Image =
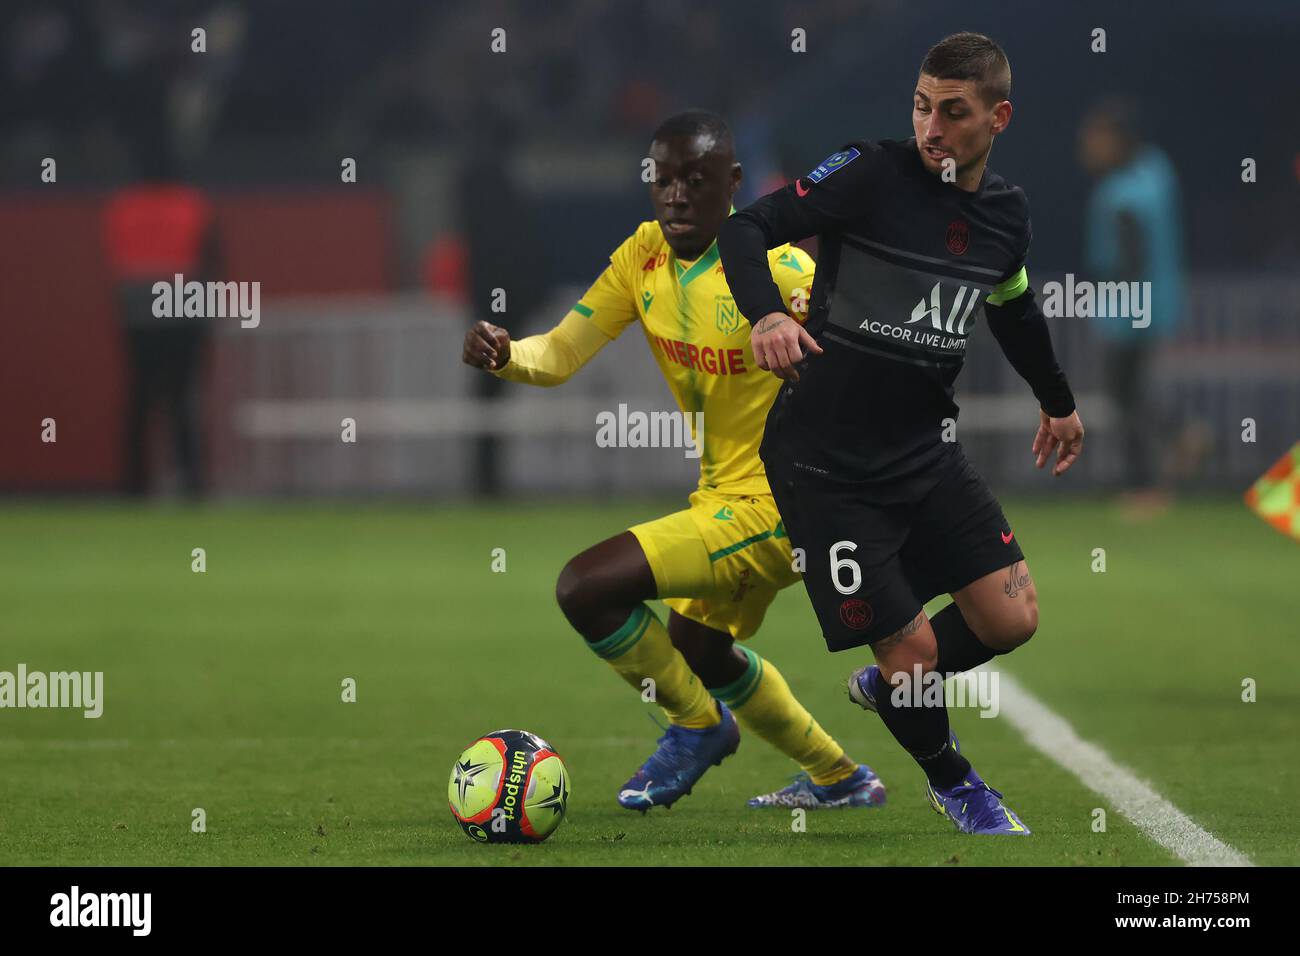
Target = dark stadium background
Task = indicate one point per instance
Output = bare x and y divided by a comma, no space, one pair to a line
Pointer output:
367,287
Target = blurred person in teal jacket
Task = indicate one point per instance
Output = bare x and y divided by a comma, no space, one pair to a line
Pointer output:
1134,234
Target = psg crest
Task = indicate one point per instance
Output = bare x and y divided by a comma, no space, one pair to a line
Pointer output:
856,613
958,237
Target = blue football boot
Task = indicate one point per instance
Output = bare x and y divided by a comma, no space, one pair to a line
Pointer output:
862,789
864,684
678,762
975,807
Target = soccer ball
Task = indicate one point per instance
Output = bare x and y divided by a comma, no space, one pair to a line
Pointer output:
509,786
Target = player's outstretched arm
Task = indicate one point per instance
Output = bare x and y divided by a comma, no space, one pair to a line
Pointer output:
1021,330
1063,435
487,346
779,343
548,359
809,206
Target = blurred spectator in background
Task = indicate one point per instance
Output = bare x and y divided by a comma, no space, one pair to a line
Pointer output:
504,250
154,230
1133,234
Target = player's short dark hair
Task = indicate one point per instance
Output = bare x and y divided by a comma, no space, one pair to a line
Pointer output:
694,122
971,56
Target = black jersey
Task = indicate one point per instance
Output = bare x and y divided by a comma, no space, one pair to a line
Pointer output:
905,264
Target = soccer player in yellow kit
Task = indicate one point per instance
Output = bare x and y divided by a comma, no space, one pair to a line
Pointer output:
719,563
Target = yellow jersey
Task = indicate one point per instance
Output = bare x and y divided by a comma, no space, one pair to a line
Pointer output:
697,335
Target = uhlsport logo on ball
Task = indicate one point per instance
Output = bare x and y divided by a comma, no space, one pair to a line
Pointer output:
509,786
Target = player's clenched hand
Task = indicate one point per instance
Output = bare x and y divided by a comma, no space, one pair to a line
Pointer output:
778,342
486,346
1053,433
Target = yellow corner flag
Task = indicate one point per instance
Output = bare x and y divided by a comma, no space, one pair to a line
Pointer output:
1276,496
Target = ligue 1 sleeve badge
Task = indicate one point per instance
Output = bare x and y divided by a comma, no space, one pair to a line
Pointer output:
833,162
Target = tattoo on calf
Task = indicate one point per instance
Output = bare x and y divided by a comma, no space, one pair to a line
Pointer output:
1017,580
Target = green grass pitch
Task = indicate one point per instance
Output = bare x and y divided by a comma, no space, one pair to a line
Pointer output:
223,691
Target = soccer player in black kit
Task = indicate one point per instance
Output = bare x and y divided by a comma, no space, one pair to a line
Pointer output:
914,237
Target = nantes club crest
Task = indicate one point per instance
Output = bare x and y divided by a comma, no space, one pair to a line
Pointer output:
728,317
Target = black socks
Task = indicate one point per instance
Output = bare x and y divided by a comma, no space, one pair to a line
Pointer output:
959,648
923,731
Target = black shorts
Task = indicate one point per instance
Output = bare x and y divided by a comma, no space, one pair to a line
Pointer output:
907,551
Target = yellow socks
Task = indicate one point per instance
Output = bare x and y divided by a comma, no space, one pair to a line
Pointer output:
641,648
762,701
760,698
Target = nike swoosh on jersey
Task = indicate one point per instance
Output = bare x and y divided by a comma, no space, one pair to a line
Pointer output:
1006,538
799,188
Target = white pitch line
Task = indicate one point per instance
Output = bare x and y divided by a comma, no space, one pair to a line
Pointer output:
1050,734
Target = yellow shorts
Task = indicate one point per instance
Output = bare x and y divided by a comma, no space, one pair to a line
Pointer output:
721,561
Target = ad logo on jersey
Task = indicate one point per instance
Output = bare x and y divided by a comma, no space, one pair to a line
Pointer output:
946,334
958,237
728,318
933,310
831,163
